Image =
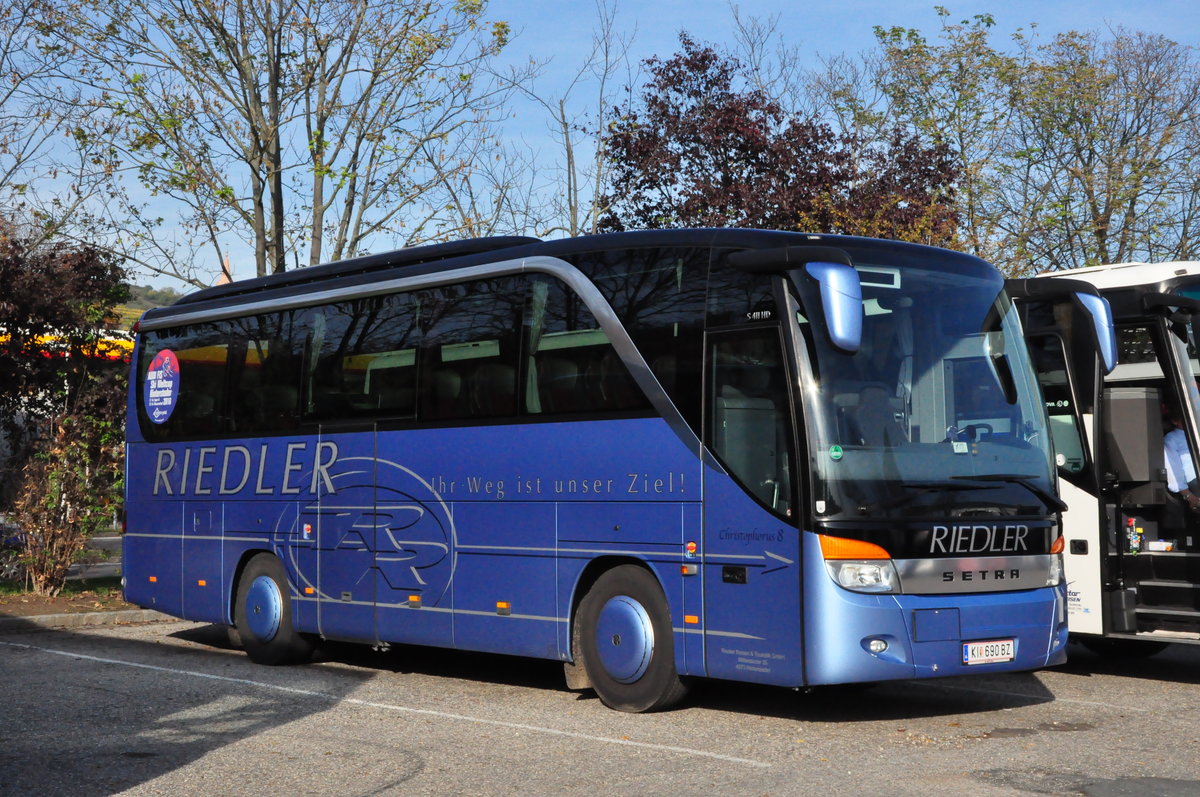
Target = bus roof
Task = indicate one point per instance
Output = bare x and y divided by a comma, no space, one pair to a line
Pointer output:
1129,275
358,265
421,260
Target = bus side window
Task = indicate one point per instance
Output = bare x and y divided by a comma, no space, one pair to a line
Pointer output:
469,349
362,358
572,364
271,377
658,294
202,351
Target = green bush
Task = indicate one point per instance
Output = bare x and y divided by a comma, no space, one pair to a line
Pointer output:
72,486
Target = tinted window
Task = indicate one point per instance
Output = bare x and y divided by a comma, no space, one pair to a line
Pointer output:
738,297
572,363
508,347
750,421
658,295
470,349
200,408
363,358
1136,345
266,371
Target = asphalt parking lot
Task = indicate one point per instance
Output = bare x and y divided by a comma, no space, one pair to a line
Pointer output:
170,708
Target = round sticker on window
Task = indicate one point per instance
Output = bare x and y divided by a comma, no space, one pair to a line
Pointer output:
162,386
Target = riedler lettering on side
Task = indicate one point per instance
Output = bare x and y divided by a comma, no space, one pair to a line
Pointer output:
227,470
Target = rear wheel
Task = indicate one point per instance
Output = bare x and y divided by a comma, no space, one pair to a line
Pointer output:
627,643
263,614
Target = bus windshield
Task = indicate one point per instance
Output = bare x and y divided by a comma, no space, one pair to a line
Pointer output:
1186,341
938,411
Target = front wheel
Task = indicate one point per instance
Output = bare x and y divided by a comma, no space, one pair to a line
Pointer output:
627,643
263,614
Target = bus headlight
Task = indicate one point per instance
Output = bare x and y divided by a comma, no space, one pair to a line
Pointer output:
1054,577
864,576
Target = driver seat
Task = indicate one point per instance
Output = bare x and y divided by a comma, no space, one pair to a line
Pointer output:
875,419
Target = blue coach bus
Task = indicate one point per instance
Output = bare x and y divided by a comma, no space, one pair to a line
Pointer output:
760,456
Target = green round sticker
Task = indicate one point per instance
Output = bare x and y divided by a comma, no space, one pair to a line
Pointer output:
835,453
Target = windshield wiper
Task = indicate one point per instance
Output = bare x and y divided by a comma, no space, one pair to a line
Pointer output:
1048,498
913,489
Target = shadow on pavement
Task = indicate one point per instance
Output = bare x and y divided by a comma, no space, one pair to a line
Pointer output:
89,715
1177,664
852,703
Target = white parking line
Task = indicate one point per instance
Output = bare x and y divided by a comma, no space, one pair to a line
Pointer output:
687,751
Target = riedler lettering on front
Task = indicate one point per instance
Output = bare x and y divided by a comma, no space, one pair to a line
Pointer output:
977,538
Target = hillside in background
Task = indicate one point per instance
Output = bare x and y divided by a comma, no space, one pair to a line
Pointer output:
141,299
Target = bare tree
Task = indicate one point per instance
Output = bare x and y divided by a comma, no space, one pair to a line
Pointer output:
294,126
489,187
25,126
581,132
1077,151
53,162
1104,152
955,92
771,64
845,91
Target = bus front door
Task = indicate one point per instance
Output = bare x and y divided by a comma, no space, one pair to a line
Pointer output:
751,551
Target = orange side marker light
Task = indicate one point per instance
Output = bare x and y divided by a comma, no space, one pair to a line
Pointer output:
844,548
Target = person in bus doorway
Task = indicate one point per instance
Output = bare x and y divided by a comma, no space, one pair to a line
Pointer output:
1181,470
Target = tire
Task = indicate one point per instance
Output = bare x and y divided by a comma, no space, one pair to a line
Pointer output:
263,615
234,637
10,566
626,642
1122,648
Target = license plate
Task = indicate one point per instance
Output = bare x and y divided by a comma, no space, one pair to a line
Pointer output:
989,652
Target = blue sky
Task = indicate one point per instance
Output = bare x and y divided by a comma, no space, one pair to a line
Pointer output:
562,28
560,32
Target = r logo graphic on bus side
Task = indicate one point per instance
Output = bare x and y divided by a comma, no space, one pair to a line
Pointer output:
162,386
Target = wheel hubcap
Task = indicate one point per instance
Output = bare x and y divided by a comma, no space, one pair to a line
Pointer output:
624,639
264,608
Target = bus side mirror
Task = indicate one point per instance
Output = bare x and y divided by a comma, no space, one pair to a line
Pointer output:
1085,298
1100,312
841,299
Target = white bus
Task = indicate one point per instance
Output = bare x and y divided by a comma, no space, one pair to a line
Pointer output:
1132,557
